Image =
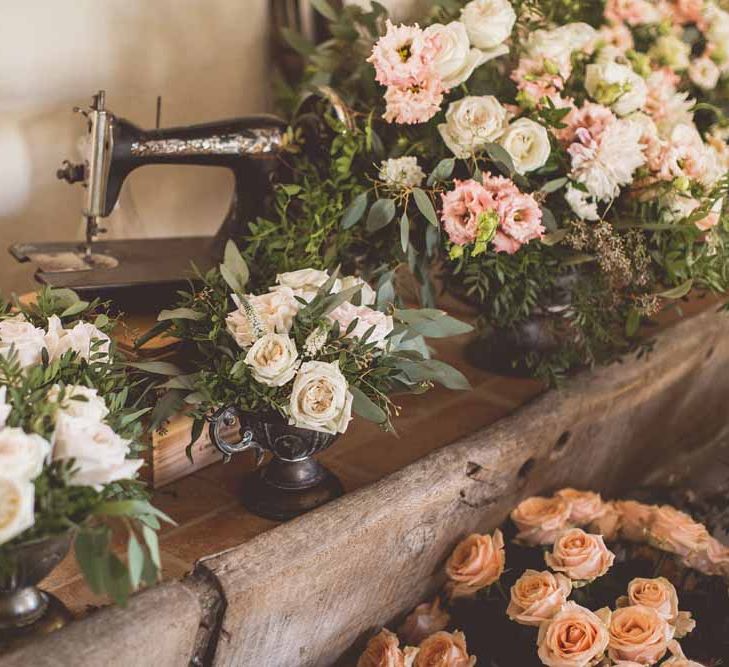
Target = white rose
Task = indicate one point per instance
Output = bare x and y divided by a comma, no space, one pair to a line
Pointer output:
671,51
557,45
79,401
367,296
305,283
366,318
527,142
402,172
454,59
22,454
717,32
83,338
269,313
5,408
320,399
17,503
473,122
616,86
488,22
99,453
704,73
21,336
578,201
273,359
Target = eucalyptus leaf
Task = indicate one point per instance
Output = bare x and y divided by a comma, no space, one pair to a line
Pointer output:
75,309
431,322
152,542
354,212
157,367
180,314
298,42
135,558
365,407
548,219
554,237
325,9
425,206
679,291
501,157
234,262
434,371
554,185
442,171
404,231
380,215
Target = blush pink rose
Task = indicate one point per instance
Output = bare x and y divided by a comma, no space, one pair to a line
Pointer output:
461,208
607,524
581,556
585,506
444,649
574,637
383,650
659,594
540,520
367,318
477,562
635,518
426,619
638,633
712,558
676,532
537,596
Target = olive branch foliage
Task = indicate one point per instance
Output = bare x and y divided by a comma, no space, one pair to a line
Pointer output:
210,370
334,195
92,516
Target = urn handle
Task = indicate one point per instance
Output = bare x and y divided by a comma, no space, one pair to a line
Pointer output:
222,420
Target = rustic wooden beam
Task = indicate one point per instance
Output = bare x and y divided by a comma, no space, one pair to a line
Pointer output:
301,594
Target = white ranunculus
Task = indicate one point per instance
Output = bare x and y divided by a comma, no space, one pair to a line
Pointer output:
717,32
305,283
99,453
578,201
366,318
273,359
704,73
527,142
22,455
79,401
4,407
83,338
23,338
402,172
559,44
265,313
17,504
471,123
320,398
671,51
488,22
454,59
616,86
367,296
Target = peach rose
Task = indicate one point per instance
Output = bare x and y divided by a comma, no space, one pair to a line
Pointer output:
659,594
638,633
679,659
635,518
711,559
585,506
426,619
537,596
674,531
444,649
608,523
574,637
580,555
383,650
475,563
540,519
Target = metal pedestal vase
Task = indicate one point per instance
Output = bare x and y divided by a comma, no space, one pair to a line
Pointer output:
25,610
293,482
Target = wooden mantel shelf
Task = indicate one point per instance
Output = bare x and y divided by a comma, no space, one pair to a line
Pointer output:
301,594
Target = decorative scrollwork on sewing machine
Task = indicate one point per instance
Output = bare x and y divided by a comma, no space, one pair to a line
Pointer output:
256,142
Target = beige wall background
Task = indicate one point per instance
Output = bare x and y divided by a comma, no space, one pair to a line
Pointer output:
208,60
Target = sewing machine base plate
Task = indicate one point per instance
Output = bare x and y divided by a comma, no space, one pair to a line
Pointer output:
138,275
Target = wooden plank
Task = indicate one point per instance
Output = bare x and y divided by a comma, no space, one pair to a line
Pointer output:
301,594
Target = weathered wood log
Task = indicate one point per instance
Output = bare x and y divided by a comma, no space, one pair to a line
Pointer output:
303,593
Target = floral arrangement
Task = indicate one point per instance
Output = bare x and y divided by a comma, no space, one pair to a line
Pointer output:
310,350
70,441
522,150
591,607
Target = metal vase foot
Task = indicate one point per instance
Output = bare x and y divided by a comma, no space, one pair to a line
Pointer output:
25,610
283,490
293,482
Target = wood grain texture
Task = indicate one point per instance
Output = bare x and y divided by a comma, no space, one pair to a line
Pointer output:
302,593
157,629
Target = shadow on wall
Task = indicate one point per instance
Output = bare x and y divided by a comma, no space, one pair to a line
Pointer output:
206,58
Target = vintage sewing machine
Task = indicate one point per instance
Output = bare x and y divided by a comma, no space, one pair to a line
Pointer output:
146,272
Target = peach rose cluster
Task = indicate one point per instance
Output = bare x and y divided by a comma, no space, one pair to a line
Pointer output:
580,556
574,637
440,649
477,562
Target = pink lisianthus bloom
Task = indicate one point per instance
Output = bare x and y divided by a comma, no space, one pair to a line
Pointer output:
688,11
632,12
499,187
617,35
682,155
462,207
415,104
402,56
534,81
590,117
521,220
